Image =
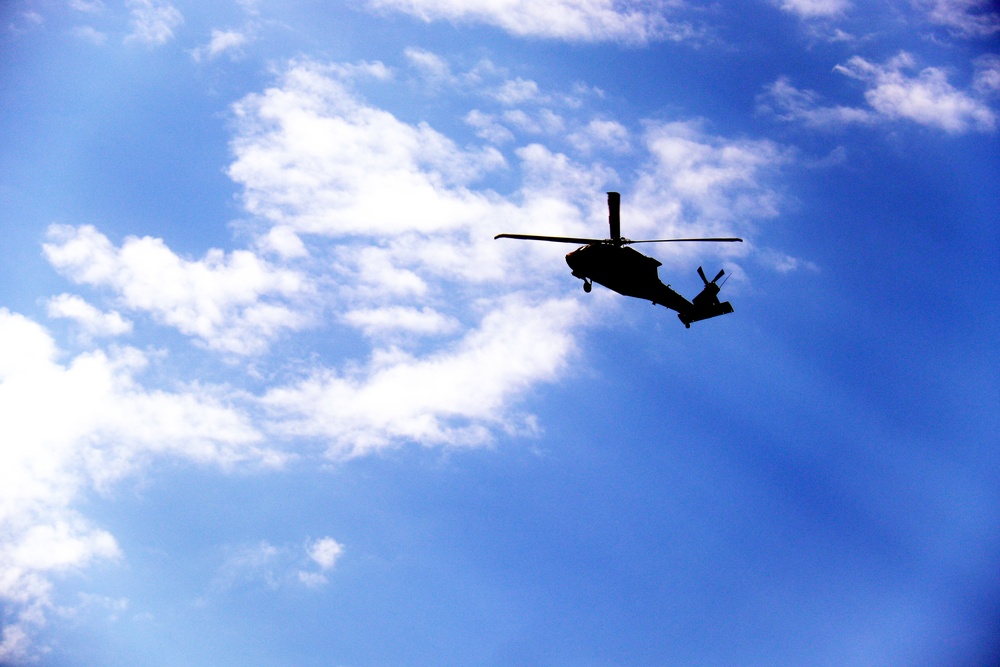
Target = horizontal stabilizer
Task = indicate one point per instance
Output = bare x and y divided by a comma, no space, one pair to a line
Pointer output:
704,312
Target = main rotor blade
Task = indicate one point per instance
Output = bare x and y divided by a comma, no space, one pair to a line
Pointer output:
555,239
728,239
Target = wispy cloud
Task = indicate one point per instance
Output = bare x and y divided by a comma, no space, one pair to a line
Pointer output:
789,103
88,6
434,68
573,20
89,34
513,106
222,41
263,564
966,18
517,91
488,127
926,98
152,22
987,78
810,9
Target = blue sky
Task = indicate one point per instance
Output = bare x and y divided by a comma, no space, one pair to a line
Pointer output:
271,394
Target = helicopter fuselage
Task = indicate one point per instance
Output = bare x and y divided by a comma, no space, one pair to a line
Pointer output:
610,262
630,273
626,271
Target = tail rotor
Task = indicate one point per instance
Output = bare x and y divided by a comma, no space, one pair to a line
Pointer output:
701,272
706,304
709,296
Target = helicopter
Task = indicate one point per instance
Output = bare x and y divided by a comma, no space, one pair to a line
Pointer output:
610,262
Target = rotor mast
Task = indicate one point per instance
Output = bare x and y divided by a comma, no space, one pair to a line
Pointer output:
614,217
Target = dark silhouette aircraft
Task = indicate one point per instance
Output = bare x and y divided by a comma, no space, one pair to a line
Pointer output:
610,262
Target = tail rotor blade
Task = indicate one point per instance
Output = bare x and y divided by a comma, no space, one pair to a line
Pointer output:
721,273
702,274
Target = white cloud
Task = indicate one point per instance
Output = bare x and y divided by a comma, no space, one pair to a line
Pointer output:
545,121
89,6
89,34
517,91
783,263
325,552
696,181
809,9
250,563
250,6
360,70
789,103
434,67
487,127
152,21
497,128
927,99
601,134
312,579
276,566
987,79
968,18
91,320
401,320
223,41
314,158
413,257
573,20
377,272
450,397
15,643
284,242
219,299
387,218
83,425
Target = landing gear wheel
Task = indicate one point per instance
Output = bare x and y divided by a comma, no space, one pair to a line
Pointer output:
587,286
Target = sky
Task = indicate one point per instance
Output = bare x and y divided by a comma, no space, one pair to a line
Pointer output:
272,394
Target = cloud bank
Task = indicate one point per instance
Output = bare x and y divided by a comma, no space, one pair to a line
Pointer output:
363,228
70,428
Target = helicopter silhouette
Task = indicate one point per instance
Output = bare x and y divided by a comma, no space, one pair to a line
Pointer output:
610,262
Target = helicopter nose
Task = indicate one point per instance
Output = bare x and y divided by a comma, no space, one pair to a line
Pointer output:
573,260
